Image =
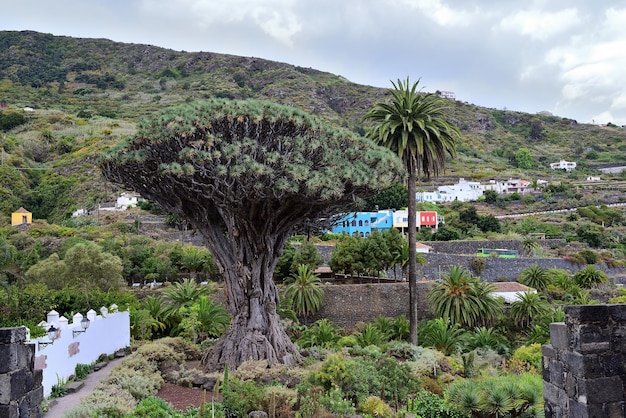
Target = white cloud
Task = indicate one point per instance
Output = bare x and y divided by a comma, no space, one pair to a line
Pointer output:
539,24
274,17
442,14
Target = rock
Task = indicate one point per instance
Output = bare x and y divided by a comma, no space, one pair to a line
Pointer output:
209,383
257,414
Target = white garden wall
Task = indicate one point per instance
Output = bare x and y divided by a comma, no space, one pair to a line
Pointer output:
107,333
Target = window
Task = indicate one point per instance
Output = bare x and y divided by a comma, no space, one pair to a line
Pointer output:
360,223
353,223
367,223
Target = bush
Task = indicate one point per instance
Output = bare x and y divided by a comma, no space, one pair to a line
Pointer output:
426,404
479,264
529,357
375,406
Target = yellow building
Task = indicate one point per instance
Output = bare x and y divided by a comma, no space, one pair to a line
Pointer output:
21,217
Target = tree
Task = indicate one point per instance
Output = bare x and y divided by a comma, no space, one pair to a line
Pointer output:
528,307
245,174
535,276
376,254
305,292
85,265
589,277
524,159
393,197
307,254
413,126
529,244
346,257
464,300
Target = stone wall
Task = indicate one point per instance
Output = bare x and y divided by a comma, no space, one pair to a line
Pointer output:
496,269
21,392
347,305
584,369
472,247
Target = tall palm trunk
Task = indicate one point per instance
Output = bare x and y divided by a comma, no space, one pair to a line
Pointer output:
412,222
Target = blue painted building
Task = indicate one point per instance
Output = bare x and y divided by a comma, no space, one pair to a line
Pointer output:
363,223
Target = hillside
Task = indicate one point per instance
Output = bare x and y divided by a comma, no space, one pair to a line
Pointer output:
86,94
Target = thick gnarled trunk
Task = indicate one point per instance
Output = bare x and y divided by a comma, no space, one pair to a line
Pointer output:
255,331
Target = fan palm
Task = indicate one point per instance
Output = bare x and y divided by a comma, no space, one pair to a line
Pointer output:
413,125
305,291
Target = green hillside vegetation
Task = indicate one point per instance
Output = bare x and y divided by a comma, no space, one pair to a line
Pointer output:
87,94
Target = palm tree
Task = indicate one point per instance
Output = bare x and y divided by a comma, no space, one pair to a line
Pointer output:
305,291
464,300
528,307
403,258
529,244
535,276
590,277
185,293
442,335
413,125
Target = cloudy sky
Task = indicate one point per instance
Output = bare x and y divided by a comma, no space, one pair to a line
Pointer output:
563,56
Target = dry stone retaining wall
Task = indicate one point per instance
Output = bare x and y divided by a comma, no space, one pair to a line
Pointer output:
21,391
347,305
584,369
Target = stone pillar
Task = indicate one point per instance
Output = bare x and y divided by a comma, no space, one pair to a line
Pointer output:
21,392
584,374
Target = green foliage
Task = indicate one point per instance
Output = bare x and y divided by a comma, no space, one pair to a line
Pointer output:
11,119
393,197
589,277
346,257
306,254
498,396
524,159
442,335
528,307
529,355
425,404
85,265
322,333
305,291
241,397
463,299
370,335
478,264
376,407
81,371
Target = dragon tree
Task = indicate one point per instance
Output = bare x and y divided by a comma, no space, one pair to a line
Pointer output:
245,174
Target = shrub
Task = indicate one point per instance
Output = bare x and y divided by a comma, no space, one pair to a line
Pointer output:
241,397
335,403
279,401
376,407
81,371
426,404
479,264
111,398
370,335
529,357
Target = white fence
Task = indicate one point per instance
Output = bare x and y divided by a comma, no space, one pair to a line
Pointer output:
106,334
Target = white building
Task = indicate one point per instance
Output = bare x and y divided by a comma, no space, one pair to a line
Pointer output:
463,191
127,200
509,186
563,165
